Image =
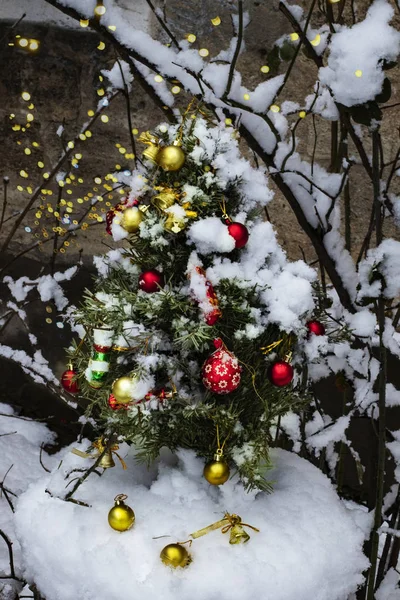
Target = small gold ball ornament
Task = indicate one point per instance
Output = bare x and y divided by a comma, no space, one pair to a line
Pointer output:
122,390
216,471
171,158
131,219
121,517
175,555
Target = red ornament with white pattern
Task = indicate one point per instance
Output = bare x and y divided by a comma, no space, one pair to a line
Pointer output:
315,327
211,311
221,371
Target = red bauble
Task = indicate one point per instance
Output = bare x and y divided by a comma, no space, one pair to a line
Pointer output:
114,405
151,281
69,382
221,371
316,327
239,233
280,373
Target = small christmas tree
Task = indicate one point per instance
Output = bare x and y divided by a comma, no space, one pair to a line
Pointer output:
189,331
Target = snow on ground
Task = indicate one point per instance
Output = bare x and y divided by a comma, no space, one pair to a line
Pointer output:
309,545
20,442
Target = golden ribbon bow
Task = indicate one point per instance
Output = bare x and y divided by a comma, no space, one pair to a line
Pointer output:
230,522
153,143
100,446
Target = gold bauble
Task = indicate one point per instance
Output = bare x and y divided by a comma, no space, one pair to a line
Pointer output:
131,219
175,555
171,158
216,471
122,390
121,517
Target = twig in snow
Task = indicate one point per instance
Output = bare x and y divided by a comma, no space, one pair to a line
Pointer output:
237,51
40,459
164,25
11,558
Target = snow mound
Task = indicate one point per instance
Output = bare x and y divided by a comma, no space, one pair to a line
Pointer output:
308,546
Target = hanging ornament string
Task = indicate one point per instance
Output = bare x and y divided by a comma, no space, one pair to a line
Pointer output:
178,141
220,449
253,378
226,524
225,215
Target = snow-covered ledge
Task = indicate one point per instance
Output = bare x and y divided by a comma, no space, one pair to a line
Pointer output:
309,544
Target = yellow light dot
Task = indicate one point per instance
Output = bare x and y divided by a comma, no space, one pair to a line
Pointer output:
50,209
264,69
122,150
29,117
29,189
67,179
88,134
23,173
316,41
135,131
12,116
69,192
20,188
35,144
100,92
101,46
31,106
302,114
80,180
191,38
204,52
40,164
274,108
118,167
246,96
100,10
79,200
61,183
358,73
176,89
74,161
82,137
228,121
101,77
27,151
334,1
26,96
78,156
158,78
104,118
69,209
90,113
38,214
27,126
71,145
97,180
33,45
23,42
294,37
16,127
216,21
46,175
84,22
112,27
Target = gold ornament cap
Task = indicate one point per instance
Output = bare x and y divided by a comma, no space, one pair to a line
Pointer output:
122,390
121,517
175,555
171,158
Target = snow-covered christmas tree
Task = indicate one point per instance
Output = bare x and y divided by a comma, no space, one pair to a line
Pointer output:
189,333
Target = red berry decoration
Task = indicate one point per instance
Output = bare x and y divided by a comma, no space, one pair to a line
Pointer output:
151,281
69,382
115,405
111,214
280,373
221,371
240,234
316,327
